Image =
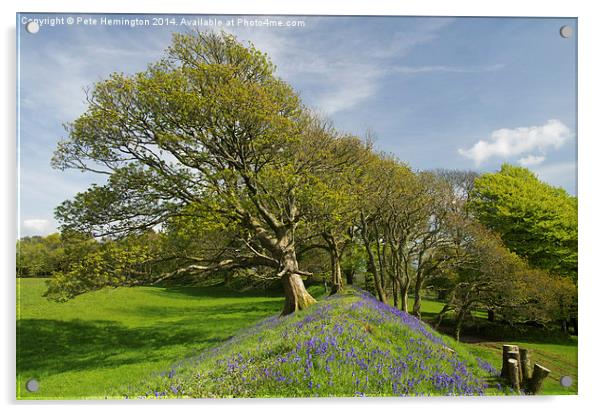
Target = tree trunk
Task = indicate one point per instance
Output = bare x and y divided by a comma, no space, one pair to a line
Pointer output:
404,297
337,278
446,308
296,296
417,298
564,326
506,349
458,328
349,276
525,364
539,374
369,283
335,262
490,315
574,324
513,374
382,295
395,294
515,355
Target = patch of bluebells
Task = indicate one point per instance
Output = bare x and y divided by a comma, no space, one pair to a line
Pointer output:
487,367
346,345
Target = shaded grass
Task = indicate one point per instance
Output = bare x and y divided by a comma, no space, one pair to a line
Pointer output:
99,341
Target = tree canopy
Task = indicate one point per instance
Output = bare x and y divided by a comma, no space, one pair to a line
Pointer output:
534,219
214,166
208,133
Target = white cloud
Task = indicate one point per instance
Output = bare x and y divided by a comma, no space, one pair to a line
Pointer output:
531,160
37,225
341,72
507,143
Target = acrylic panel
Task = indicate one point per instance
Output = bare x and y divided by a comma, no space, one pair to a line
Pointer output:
295,206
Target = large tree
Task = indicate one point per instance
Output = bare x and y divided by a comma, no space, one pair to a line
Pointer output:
208,134
535,220
397,211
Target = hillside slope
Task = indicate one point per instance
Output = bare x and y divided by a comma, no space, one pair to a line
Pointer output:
346,345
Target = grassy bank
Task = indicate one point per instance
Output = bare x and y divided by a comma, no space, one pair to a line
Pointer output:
347,345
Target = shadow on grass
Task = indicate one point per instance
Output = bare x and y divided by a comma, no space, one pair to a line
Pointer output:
53,346
207,314
479,331
218,291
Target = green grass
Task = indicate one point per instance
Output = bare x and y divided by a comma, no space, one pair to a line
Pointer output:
431,307
100,343
346,345
561,359
97,342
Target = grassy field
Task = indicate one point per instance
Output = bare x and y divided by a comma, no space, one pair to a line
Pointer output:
98,343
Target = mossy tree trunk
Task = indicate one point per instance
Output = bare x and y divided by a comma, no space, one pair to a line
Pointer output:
372,267
296,296
404,297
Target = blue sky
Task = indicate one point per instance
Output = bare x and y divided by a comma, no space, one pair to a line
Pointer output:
467,93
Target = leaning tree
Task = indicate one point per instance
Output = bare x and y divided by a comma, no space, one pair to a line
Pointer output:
207,134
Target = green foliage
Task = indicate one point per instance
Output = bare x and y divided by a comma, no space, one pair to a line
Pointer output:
185,131
535,220
491,276
39,256
354,259
208,137
111,264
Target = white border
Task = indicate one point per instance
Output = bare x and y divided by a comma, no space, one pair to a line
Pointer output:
590,34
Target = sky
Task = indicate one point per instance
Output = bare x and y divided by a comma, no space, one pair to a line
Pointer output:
461,93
